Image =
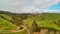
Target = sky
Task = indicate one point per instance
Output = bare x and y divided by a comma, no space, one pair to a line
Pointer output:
30,6
54,8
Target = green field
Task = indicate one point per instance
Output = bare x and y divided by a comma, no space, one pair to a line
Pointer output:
10,21
46,21
6,25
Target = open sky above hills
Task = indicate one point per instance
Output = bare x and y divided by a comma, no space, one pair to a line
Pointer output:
30,6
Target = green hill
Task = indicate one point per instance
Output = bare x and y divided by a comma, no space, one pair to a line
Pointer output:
6,23
43,20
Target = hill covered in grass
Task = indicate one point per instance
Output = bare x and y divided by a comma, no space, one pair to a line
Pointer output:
8,24
43,20
5,23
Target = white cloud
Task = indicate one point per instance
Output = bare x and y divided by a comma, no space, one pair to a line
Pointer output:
12,5
30,10
44,3
52,11
20,5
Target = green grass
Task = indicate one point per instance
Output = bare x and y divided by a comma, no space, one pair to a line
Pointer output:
47,22
5,23
9,26
6,17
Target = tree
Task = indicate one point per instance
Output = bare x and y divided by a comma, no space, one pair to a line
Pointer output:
34,27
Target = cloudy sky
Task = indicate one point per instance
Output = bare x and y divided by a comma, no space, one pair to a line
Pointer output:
30,6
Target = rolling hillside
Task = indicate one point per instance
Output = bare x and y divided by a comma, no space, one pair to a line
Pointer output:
7,27
10,21
45,20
